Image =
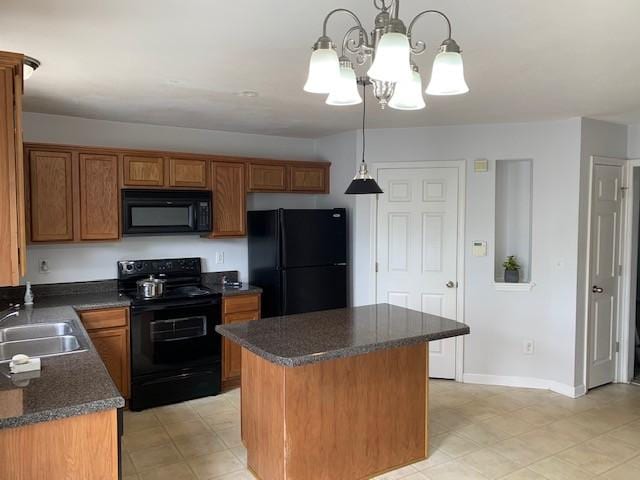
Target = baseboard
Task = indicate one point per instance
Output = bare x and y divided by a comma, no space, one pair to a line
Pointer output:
525,382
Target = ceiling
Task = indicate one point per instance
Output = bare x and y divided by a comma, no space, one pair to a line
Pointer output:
182,62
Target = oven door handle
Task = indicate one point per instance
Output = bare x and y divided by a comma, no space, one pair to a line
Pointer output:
166,306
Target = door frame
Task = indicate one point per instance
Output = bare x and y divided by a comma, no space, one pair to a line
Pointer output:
631,232
373,245
622,248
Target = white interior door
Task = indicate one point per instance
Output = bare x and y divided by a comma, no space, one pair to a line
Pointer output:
417,245
604,261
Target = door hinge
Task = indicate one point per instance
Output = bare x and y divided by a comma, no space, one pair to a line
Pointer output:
623,190
617,347
376,267
619,270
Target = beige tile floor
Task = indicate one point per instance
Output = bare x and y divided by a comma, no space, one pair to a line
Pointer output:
476,432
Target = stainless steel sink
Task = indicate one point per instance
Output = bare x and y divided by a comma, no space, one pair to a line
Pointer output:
40,330
40,347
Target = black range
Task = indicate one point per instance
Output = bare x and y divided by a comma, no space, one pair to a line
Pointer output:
175,350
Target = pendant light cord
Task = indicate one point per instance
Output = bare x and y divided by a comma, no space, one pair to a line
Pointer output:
364,114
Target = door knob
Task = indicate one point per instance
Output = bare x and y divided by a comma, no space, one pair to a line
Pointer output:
597,289
450,284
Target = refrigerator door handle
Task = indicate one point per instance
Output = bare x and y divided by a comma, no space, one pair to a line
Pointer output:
343,264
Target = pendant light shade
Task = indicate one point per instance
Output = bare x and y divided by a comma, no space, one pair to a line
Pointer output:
392,62
324,67
363,183
345,89
408,93
447,77
29,65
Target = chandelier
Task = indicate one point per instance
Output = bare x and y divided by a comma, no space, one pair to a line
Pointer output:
394,77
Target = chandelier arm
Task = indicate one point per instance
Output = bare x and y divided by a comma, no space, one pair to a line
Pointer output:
420,46
381,5
353,15
354,47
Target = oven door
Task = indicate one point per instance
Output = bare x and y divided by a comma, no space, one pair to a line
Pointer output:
174,338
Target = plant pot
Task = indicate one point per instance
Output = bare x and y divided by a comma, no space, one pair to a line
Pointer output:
511,276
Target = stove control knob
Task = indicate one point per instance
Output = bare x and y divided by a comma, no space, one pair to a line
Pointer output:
139,266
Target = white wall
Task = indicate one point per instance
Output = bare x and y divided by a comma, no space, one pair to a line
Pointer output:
633,141
81,262
341,151
597,138
499,321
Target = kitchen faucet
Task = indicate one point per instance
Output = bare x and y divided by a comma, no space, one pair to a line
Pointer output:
13,310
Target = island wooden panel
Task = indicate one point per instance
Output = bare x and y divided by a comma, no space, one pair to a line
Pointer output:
75,448
185,172
350,418
229,199
51,200
99,204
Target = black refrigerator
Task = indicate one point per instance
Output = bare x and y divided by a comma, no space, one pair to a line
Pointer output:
299,259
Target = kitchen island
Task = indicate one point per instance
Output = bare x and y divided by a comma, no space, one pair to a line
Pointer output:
337,394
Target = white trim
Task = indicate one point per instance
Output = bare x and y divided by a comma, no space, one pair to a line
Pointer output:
462,208
525,382
513,287
622,248
624,367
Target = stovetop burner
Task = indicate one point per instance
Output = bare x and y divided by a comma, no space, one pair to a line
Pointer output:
182,276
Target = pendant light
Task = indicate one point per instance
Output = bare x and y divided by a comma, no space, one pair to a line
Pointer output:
363,183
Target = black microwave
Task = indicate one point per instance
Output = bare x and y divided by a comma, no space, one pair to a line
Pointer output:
164,212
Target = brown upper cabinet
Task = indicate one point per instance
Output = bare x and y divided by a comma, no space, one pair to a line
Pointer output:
143,171
308,179
229,199
12,209
184,172
51,196
99,199
267,177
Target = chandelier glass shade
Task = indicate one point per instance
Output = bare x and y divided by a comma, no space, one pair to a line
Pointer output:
345,89
408,93
390,48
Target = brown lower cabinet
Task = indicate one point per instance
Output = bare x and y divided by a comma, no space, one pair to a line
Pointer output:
109,332
237,308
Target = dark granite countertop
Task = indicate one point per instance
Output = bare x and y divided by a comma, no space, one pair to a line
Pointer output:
306,338
245,289
84,301
68,385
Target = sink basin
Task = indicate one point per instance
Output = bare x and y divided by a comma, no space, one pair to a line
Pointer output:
40,347
41,330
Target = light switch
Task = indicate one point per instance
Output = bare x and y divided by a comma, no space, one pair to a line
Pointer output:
479,248
481,165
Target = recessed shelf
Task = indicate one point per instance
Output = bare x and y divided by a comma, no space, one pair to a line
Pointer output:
513,287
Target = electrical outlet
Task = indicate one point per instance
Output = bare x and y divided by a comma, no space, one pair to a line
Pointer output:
528,347
43,266
219,257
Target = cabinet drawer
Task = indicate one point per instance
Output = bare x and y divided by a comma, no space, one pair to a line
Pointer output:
241,316
242,303
107,318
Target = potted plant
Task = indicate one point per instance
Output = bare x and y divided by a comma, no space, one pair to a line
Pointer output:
511,269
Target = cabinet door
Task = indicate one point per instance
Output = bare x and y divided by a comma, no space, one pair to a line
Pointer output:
51,184
307,179
12,225
267,178
112,345
143,171
231,352
229,204
187,173
99,206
